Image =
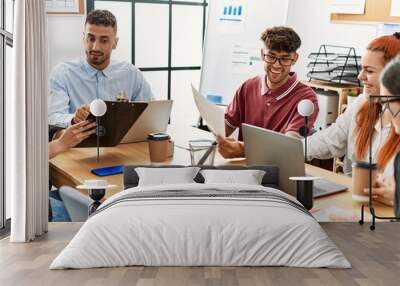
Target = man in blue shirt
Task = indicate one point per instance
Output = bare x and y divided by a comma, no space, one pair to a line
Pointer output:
74,84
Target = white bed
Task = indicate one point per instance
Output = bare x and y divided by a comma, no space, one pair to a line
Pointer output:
223,225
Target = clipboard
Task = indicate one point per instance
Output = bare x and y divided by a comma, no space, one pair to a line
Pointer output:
115,123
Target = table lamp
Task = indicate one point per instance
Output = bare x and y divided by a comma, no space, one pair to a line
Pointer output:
305,108
98,108
304,190
96,190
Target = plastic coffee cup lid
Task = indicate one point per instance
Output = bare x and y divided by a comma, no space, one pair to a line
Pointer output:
95,184
364,165
158,136
304,178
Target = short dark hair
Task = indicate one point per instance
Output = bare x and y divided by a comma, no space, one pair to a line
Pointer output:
281,39
103,18
390,76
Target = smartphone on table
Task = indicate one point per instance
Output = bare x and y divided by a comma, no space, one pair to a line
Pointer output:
108,171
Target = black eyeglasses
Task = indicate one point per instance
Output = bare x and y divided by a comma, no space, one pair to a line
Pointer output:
271,59
387,105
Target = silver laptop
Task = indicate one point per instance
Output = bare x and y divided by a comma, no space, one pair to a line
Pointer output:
153,119
264,146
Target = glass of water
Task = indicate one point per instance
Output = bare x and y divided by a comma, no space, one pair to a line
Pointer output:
202,152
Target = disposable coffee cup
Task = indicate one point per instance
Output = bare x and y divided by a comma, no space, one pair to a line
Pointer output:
158,146
171,147
360,180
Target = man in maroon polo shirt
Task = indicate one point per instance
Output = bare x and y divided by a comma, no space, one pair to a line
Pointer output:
269,101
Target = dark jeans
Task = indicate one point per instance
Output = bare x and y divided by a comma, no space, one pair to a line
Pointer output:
57,210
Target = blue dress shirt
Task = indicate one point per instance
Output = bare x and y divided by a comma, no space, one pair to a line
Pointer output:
75,83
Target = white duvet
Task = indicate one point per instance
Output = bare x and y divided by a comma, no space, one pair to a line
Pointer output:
188,231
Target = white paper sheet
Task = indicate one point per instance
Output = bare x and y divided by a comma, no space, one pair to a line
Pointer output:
347,6
211,113
395,9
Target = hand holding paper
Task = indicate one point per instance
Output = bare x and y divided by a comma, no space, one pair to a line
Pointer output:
211,113
229,147
214,116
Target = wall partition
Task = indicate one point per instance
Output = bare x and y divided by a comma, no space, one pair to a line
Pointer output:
164,39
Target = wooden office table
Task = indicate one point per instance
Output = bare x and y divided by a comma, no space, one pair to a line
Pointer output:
73,167
343,200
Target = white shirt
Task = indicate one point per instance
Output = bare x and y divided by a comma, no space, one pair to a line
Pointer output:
338,139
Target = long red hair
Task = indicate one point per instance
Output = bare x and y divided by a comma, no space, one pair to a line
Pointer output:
390,48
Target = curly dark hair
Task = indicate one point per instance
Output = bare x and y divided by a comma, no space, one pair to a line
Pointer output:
102,18
281,39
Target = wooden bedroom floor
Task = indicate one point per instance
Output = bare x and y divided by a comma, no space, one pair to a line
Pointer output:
374,255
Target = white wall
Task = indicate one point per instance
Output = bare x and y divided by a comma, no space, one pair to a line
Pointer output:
65,38
311,20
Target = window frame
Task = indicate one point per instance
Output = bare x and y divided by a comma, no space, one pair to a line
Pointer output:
6,39
169,68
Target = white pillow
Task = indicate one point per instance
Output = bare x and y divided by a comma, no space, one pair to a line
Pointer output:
248,177
163,176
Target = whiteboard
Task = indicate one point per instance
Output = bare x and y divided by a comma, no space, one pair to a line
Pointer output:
231,52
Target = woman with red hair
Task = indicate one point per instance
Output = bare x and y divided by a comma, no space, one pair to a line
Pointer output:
349,135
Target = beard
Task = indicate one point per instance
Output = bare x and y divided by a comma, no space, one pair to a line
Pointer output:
96,58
